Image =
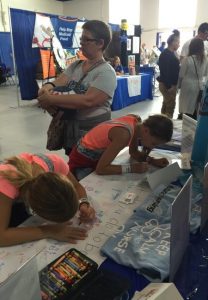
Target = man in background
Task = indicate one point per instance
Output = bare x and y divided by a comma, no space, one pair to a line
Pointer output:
202,34
162,47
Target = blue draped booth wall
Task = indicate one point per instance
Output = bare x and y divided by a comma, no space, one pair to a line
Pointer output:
6,50
26,57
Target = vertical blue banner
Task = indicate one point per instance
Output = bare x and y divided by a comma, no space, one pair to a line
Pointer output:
64,28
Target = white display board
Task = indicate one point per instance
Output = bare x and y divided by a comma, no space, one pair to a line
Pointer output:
158,291
23,284
180,227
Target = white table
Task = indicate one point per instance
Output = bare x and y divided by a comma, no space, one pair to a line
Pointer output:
105,193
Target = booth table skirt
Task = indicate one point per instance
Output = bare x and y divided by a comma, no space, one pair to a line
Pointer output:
121,97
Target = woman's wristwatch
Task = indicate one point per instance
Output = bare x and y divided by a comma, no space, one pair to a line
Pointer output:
51,83
84,200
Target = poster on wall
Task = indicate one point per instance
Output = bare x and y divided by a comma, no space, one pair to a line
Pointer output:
45,37
128,45
43,32
64,28
131,61
130,30
136,44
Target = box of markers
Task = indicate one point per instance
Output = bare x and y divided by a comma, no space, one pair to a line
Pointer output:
61,279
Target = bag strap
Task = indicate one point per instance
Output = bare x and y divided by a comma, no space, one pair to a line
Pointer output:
47,160
95,65
196,71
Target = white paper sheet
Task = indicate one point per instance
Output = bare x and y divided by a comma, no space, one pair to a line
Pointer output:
164,176
23,285
134,85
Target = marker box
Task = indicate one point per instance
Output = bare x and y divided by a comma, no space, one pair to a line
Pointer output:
74,276
61,278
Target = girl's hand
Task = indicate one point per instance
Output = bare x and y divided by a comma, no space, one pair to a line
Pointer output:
87,213
158,162
64,232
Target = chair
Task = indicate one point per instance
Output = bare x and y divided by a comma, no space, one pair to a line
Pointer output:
9,76
6,75
2,74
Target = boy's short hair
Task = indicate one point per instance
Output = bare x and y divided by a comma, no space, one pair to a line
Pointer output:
160,126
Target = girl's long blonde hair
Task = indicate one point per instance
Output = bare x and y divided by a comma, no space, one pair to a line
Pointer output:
50,195
24,172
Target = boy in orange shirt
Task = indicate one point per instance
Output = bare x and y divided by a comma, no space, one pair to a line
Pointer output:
98,148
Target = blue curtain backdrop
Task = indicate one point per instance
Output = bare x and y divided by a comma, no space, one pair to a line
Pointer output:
6,50
26,57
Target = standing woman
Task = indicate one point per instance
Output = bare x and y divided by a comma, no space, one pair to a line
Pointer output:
169,70
192,76
92,82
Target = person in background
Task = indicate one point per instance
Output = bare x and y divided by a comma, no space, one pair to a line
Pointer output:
144,54
162,47
201,34
169,69
94,78
116,64
44,185
192,77
98,148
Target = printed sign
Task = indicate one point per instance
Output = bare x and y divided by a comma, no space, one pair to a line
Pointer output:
180,227
65,30
43,32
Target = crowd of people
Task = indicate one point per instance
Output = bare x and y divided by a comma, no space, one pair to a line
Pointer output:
44,184
186,74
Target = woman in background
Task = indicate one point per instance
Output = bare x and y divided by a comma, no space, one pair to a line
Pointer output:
192,77
116,64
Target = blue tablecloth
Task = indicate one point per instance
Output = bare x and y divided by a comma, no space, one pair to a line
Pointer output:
147,70
121,97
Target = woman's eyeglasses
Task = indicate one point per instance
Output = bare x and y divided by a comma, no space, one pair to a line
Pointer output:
87,40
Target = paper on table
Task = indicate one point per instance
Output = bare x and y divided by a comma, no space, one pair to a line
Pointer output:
134,85
164,176
13,258
24,284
